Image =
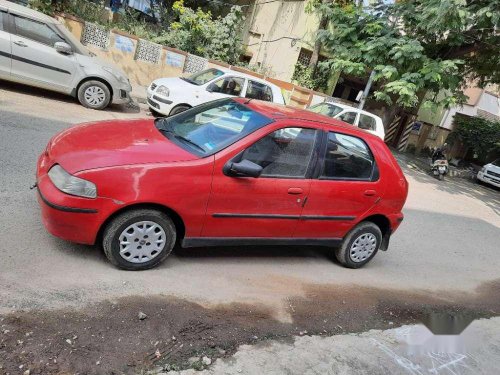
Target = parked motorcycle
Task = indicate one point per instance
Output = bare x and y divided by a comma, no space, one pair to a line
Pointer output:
439,167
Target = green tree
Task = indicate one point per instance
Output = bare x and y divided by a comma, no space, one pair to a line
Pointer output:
418,48
481,135
197,32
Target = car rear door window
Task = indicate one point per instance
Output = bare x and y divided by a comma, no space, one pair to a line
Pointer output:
36,31
367,122
229,86
347,157
349,117
260,91
283,153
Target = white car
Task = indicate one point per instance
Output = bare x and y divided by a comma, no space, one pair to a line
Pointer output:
362,119
490,173
39,51
169,96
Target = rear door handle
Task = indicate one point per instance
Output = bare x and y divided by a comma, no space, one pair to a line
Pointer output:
295,191
370,193
20,43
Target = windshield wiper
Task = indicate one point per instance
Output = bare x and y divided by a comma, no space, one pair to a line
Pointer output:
187,140
189,80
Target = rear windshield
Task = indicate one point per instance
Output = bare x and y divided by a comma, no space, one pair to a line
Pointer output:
208,128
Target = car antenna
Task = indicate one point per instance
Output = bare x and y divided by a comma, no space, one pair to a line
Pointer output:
248,101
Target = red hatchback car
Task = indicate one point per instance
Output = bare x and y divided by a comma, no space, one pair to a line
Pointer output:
229,172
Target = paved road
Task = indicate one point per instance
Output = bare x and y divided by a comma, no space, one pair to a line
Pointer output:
448,241
447,247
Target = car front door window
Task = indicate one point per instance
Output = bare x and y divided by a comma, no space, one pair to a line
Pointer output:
285,153
36,31
229,86
349,117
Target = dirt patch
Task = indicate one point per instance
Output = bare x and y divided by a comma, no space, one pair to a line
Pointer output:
109,337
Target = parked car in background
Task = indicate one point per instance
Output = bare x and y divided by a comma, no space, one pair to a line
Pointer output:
229,172
351,115
39,51
169,96
490,173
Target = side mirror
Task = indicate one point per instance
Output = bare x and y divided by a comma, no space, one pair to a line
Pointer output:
245,168
63,48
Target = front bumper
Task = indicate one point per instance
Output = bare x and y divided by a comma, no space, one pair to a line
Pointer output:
121,94
68,217
71,218
484,177
157,103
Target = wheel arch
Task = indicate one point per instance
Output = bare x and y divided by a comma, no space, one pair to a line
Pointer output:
181,105
94,78
384,224
180,227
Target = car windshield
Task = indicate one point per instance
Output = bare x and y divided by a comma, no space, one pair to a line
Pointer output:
203,77
496,163
210,127
327,109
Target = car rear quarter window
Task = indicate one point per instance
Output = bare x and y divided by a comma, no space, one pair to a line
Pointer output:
36,31
347,157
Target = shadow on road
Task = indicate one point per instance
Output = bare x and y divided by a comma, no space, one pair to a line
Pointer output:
458,186
37,92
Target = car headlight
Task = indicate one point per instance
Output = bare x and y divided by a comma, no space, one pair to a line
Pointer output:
120,77
163,91
70,184
483,170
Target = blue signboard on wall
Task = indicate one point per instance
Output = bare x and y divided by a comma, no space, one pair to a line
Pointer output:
124,44
175,59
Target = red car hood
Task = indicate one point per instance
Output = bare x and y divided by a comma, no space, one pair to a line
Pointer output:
111,143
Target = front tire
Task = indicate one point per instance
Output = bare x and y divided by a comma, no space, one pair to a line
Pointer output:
360,245
94,95
179,109
139,239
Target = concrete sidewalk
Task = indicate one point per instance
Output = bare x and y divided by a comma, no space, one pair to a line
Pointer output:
410,349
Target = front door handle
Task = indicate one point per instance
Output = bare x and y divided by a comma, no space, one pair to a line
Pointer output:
370,193
295,191
20,43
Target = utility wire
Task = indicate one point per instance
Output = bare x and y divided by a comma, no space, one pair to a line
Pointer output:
273,40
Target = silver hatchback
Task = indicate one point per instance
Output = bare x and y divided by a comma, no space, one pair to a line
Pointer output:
38,50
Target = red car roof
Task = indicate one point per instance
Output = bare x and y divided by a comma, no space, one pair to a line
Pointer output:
279,111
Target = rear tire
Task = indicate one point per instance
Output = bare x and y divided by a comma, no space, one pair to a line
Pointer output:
94,95
179,109
360,245
139,239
